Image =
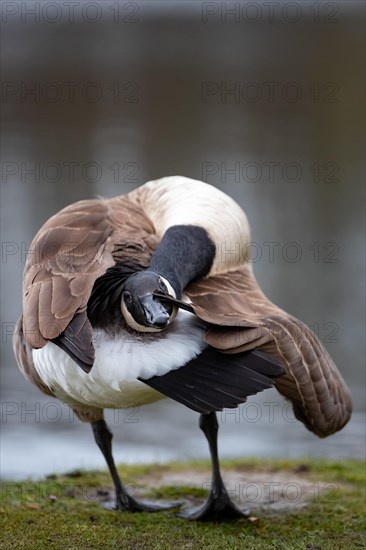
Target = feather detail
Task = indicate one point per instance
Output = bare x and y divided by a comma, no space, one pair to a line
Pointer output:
182,201
68,254
241,318
213,381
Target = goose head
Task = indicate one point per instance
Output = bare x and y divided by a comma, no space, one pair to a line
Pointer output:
141,309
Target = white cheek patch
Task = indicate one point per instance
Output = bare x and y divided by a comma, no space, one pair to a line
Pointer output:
169,287
172,293
133,324
142,328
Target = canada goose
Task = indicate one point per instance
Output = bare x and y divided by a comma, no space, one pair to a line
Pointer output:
106,323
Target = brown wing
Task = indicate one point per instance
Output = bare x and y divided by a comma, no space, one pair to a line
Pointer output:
242,318
67,255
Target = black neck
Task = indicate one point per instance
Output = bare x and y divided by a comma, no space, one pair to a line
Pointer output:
185,253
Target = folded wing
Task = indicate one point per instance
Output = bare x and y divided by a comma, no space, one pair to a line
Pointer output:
241,318
214,380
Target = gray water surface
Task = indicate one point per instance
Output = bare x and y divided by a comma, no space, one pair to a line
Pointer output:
43,437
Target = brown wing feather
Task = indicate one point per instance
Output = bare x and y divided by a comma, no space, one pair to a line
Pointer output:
71,250
241,318
66,256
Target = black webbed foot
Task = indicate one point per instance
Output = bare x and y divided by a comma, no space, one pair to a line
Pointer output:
216,508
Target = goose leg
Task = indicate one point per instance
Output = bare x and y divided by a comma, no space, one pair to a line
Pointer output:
218,506
124,501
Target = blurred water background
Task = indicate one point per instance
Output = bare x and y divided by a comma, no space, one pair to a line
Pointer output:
266,103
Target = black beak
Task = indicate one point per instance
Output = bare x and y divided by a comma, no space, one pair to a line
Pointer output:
156,315
173,301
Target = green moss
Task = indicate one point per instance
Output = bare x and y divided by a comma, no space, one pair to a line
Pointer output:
63,511
176,492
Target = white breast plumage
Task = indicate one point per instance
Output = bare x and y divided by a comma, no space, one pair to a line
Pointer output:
120,359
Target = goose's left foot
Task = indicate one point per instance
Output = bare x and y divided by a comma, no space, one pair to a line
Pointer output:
218,507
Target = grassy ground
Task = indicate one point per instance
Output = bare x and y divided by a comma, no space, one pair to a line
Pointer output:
64,512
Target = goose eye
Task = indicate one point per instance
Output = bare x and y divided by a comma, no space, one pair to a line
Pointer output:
127,296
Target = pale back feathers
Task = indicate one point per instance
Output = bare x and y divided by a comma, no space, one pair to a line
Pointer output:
182,201
78,244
